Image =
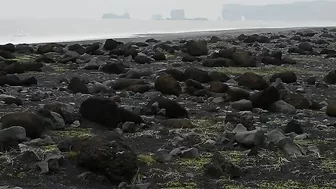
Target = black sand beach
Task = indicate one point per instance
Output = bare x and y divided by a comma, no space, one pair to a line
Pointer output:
222,109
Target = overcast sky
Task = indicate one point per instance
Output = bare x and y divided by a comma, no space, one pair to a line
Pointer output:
141,9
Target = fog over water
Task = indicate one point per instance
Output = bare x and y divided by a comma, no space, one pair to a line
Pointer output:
26,21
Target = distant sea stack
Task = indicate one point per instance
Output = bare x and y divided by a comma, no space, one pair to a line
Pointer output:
115,16
177,14
298,11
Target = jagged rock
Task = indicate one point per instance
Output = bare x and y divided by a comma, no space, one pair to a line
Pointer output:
101,154
266,98
235,119
91,48
65,110
250,138
31,122
77,48
252,81
287,77
282,107
219,166
77,85
168,85
294,126
110,44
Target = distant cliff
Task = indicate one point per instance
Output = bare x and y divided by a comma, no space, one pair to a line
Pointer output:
300,11
115,16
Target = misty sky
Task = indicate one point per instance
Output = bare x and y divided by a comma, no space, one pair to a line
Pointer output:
139,9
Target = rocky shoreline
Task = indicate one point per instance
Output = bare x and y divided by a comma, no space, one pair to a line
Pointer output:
231,110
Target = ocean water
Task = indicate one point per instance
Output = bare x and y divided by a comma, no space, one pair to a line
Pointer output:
63,30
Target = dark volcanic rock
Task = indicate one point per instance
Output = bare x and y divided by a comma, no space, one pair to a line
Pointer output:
173,109
197,75
243,59
330,78
8,99
177,74
101,110
188,58
159,56
42,49
124,83
65,110
252,81
77,48
227,53
219,166
297,100
14,80
331,110
142,59
218,87
77,85
128,116
113,68
92,48
166,84
214,39
294,126
218,62
218,76
268,60
110,44
33,123
306,46
197,48
102,154
6,54
137,73
286,77
296,50
236,93
264,99
139,88
22,67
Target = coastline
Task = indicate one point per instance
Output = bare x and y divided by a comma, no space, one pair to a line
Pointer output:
187,35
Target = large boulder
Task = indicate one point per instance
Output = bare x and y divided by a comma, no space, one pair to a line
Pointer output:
14,80
77,85
219,166
252,81
65,110
172,108
177,74
197,75
166,84
227,53
110,44
32,122
306,46
77,48
286,77
218,76
110,156
264,99
42,49
218,62
8,99
242,105
330,78
17,67
142,59
101,110
282,107
331,110
218,87
159,56
6,54
236,93
197,48
243,59
297,100
128,116
113,68
91,48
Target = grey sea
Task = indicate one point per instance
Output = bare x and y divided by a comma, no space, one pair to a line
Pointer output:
65,30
